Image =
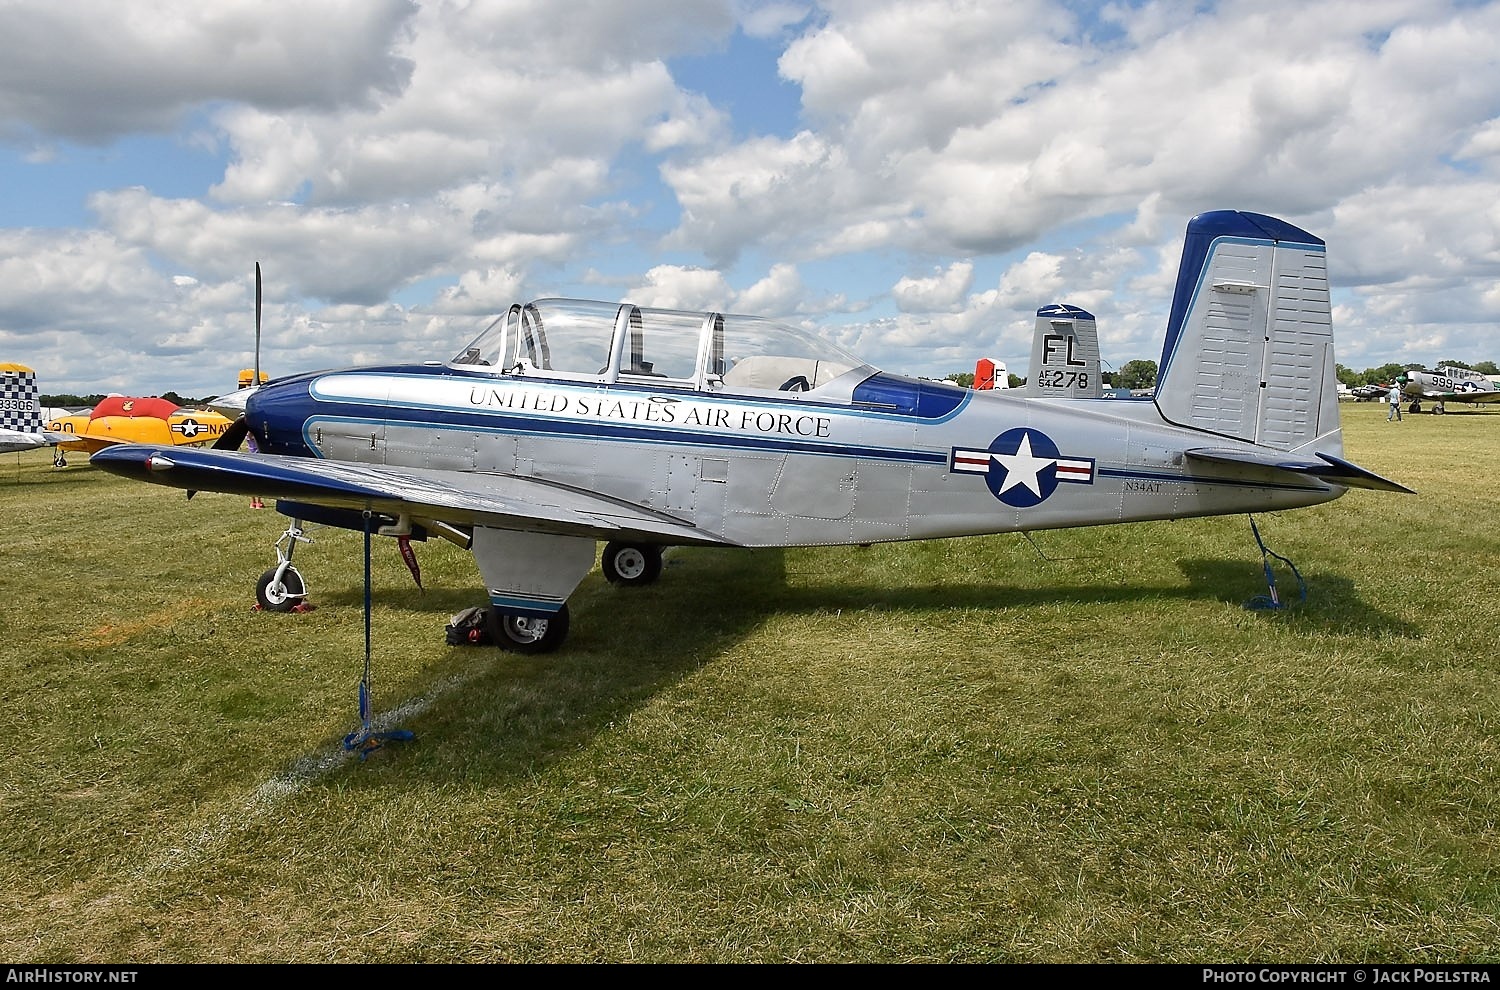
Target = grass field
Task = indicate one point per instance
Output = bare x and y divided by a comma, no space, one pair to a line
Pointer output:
1081,747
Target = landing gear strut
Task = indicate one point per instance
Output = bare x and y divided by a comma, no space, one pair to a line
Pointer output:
281,589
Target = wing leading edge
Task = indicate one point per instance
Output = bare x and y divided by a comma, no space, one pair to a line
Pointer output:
459,498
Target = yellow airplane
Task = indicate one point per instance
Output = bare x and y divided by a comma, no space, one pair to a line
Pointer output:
129,419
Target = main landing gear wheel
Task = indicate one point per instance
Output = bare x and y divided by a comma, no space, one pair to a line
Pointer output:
280,596
529,633
631,563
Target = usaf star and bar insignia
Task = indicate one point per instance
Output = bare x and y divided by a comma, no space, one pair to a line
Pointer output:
1022,467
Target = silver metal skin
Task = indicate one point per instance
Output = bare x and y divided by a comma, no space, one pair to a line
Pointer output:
569,422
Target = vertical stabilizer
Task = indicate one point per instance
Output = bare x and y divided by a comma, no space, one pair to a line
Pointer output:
1249,347
1065,355
20,406
989,373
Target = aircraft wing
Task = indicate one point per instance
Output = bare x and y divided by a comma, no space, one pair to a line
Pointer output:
1435,396
455,497
11,440
1323,467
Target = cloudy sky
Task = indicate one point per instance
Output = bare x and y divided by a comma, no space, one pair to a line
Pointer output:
912,177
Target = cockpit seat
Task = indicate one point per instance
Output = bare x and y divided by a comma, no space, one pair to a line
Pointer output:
786,374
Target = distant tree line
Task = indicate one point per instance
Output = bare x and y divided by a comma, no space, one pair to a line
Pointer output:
966,379
70,401
1142,374
1135,374
1387,373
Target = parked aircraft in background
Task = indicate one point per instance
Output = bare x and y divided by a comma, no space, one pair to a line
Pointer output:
131,419
1370,393
570,422
21,412
989,373
1448,384
1065,355
1064,358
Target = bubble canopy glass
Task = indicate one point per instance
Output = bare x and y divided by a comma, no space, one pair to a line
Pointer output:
620,342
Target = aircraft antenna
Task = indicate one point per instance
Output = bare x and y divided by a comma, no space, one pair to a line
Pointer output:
1054,560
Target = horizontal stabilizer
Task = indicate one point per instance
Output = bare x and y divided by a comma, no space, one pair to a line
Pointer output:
1324,467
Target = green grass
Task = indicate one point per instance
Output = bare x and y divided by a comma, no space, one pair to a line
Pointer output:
1076,748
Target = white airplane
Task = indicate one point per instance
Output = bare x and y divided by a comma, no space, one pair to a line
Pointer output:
1448,384
570,422
21,425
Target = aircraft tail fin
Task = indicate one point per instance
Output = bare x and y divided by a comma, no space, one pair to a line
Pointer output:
1065,354
1249,347
989,373
20,404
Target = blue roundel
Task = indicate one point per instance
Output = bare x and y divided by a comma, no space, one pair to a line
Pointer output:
1023,467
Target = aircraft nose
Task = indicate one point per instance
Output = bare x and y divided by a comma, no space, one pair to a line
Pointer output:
232,406
276,413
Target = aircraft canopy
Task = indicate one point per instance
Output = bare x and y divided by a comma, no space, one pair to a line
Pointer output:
568,338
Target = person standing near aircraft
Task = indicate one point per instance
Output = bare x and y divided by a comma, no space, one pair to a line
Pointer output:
255,500
1394,398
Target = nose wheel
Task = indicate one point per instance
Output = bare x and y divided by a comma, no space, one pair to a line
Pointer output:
281,589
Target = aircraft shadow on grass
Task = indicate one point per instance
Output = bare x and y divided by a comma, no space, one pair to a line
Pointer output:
1330,601
495,718
1333,604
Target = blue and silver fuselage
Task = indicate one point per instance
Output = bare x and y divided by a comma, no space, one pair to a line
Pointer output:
868,457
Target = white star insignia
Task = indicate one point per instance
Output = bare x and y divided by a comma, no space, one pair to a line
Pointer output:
1022,467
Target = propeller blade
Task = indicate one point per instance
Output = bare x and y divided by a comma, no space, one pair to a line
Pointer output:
256,380
231,438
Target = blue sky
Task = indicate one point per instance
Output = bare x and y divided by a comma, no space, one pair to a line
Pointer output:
912,178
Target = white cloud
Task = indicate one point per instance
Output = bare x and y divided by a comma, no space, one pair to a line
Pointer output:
681,287
90,70
403,166
942,292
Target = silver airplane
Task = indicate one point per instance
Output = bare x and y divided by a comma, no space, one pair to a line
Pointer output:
1447,383
567,423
